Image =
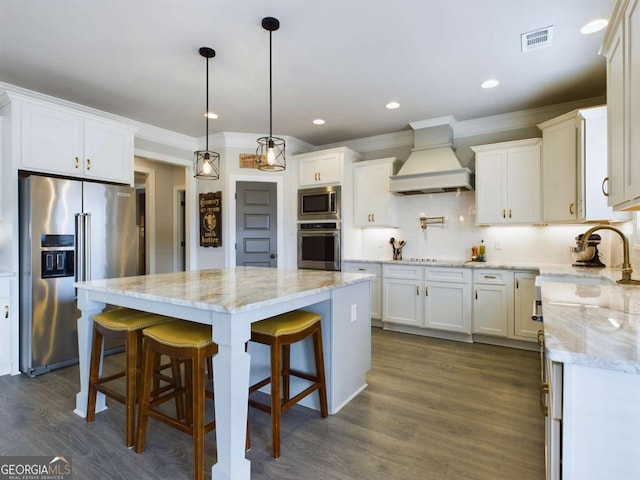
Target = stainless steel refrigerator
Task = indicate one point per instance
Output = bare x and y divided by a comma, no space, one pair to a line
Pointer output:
69,230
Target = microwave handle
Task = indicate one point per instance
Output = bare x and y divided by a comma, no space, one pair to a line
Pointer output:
332,201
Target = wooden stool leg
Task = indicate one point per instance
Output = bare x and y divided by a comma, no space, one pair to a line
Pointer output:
197,382
188,376
147,376
322,389
131,344
286,376
94,372
176,373
276,403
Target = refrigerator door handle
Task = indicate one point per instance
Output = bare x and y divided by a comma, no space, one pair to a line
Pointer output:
87,246
79,276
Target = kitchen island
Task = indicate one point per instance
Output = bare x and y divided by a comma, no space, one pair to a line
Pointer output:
592,366
230,300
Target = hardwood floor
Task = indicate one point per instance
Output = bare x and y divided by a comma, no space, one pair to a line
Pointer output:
434,409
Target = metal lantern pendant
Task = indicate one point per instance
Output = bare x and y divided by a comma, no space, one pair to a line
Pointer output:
270,152
206,164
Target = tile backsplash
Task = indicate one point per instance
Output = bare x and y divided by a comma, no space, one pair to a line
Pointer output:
453,239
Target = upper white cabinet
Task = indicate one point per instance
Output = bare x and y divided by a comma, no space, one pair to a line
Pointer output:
373,204
508,182
574,167
324,167
621,46
61,141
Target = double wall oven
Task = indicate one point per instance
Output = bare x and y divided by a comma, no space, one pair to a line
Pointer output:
319,241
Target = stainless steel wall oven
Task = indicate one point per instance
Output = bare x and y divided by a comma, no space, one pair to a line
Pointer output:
319,245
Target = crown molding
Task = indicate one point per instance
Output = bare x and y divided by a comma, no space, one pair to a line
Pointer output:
434,122
376,142
249,141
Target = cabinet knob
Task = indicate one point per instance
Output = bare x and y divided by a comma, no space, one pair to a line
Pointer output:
605,192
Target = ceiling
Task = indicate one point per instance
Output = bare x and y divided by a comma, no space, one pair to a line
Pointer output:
340,60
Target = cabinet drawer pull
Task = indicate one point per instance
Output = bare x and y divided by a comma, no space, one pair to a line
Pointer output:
504,213
571,210
77,162
490,276
509,213
6,311
88,164
362,269
417,290
426,291
544,391
373,217
605,192
476,293
517,283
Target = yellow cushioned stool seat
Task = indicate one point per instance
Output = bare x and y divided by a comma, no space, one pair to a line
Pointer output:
192,343
181,334
286,324
280,332
119,324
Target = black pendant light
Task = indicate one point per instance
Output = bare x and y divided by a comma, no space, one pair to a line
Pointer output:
206,164
270,152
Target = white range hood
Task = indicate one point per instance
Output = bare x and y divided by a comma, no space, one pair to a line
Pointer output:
432,166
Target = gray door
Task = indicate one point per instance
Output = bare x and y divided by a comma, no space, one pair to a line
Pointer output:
256,224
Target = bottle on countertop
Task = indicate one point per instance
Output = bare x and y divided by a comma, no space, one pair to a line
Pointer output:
482,256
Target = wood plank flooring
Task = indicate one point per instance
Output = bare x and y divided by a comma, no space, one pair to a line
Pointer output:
434,409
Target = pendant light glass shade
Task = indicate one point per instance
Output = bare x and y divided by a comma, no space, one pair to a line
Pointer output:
206,163
271,150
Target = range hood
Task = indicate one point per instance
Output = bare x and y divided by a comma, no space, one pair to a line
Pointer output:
432,166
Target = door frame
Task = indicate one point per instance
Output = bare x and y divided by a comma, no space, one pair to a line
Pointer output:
230,241
150,217
176,230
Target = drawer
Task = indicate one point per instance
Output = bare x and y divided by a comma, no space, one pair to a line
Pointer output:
410,272
495,277
441,274
354,267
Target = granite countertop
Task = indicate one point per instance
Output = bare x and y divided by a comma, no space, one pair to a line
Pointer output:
595,325
229,290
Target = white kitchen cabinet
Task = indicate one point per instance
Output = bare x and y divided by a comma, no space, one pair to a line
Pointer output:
5,326
508,182
621,45
324,167
524,294
373,204
429,297
491,302
60,141
574,168
447,297
371,268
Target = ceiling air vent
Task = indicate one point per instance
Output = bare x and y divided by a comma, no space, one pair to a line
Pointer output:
536,39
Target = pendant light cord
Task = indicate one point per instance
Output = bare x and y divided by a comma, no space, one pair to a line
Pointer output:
206,113
270,89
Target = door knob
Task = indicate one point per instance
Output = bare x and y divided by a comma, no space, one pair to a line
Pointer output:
273,255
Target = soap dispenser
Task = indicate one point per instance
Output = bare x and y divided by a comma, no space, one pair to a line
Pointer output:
482,257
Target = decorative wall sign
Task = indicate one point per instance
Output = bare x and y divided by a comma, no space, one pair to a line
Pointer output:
211,219
249,160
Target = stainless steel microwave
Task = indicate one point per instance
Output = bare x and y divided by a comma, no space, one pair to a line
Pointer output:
319,203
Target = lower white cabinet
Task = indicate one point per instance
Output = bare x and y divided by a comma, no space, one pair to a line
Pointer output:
502,303
427,297
376,284
5,326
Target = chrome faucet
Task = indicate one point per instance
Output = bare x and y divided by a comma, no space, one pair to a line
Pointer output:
626,264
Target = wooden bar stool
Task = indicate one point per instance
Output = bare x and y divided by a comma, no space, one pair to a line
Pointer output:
120,324
192,343
280,332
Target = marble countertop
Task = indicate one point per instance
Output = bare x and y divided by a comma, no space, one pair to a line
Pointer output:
229,290
592,325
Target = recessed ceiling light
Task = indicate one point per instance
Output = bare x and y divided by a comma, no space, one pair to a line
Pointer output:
319,121
211,115
594,26
490,83
392,105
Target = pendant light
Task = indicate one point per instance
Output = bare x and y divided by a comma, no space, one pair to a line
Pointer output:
270,152
206,164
